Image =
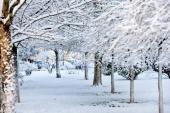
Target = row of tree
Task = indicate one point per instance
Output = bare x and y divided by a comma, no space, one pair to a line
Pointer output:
135,32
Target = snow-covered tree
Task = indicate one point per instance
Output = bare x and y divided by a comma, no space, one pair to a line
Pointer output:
7,71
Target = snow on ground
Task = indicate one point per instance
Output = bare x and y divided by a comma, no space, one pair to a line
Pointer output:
43,93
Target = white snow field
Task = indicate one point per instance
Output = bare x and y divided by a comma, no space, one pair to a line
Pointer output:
43,93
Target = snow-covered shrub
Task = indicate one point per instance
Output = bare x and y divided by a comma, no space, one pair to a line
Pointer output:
165,69
107,68
66,65
39,64
50,68
77,63
125,71
79,67
27,67
28,72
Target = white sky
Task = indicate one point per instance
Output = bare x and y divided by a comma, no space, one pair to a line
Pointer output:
1,7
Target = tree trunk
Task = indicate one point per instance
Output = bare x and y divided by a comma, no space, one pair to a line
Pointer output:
132,89
97,70
58,75
6,71
1,93
17,73
86,67
132,99
112,76
160,89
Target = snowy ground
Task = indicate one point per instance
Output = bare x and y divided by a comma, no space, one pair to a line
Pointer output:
43,93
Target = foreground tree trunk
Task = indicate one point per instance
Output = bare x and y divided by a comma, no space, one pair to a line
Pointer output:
132,89
97,70
1,93
86,67
14,50
58,75
6,71
112,76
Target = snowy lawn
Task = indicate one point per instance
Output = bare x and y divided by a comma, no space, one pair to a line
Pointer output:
43,93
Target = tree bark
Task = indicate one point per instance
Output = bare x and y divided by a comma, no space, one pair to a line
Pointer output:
17,73
6,71
112,76
58,75
97,80
86,67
